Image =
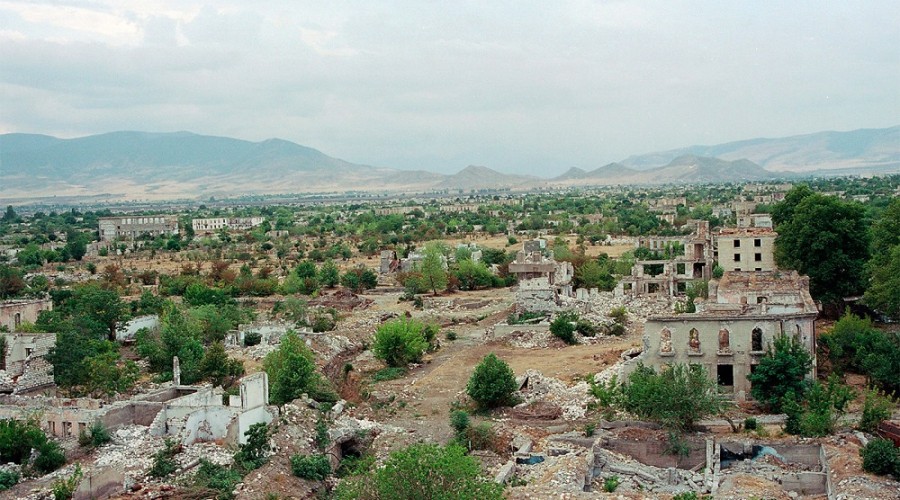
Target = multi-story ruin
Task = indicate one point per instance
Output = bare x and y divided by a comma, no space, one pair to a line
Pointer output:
132,227
671,269
731,331
211,225
542,280
746,249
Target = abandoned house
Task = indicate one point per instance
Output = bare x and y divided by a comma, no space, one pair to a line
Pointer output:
746,249
211,225
15,312
134,227
542,280
731,330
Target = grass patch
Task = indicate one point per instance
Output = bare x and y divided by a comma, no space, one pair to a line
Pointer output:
389,373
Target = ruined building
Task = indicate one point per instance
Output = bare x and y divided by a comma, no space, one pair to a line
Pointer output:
211,225
668,276
133,227
746,249
15,312
542,280
23,367
731,330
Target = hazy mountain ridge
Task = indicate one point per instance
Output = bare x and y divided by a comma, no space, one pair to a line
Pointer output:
182,164
799,153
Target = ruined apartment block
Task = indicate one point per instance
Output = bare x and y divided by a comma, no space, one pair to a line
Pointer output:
211,225
133,227
731,330
746,249
542,280
23,367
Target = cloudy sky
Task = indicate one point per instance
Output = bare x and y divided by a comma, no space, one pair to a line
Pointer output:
519,86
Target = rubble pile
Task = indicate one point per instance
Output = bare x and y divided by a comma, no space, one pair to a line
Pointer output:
573,401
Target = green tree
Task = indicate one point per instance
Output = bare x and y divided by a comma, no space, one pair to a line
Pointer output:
855,345
883,293
10,215
781,371
432,267
219,368
493,383
593,275
423,471
329,274
473,275
12,282
291,370
828,240
107,374
400,341
676,398
100,305
252,454
76,244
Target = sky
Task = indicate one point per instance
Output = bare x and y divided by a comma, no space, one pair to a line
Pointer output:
529,87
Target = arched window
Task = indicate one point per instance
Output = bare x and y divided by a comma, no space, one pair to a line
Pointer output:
694,340
757,340
665,340
17,319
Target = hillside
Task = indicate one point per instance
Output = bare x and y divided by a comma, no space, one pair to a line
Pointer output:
864,148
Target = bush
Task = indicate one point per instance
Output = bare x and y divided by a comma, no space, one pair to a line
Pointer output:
881,457
400,342
854,344
451,335
460,422
585,328
750,424
310,467
781,371
674,398
389,373
492,384
292,371
611,483
518,319
217,477
876,408
64,488
164,460
563,327
252,454
481,436
8,479
816,412
423,471
18,440
619,315
95,436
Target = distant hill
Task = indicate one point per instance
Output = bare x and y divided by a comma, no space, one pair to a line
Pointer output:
477,177
864,148
143,165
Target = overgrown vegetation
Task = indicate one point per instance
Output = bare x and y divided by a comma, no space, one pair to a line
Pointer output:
24,443
492,384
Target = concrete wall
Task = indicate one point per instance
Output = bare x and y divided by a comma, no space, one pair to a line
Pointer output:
654,452
750,249
101,482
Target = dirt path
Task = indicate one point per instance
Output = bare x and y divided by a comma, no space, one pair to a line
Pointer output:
428,391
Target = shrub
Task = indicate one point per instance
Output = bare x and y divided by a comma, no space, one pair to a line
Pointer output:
8,479
95,436
388,373
164,460
292,372
424,471
585,328
619,315
876,408
18,439
310,467
481,436
881,457
563,328
322,438
493,383
451,335
460,422
64,488
674,398
217,477
820,409
611,483
400,342
518,319
750,424
252,454
782,370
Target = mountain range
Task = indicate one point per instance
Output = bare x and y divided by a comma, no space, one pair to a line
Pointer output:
142,165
